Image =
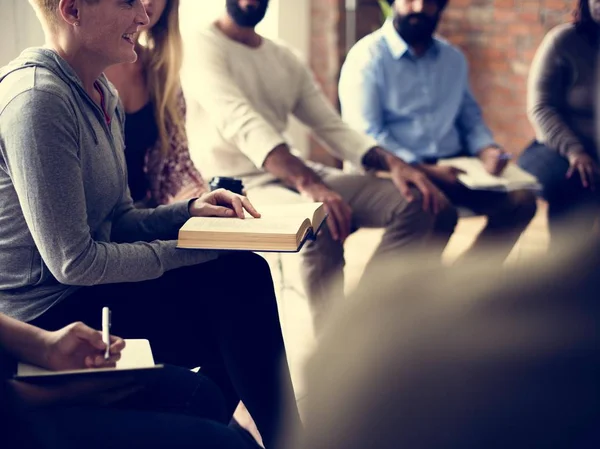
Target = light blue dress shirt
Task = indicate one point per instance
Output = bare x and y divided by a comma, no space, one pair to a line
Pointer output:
419,108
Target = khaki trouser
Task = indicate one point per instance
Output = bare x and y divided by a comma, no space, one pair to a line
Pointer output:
375,203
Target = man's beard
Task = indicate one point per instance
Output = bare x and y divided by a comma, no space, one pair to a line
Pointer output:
419,32
247,18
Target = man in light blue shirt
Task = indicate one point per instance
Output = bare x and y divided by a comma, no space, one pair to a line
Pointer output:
410,91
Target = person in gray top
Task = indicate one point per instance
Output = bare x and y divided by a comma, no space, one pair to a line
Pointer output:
561,93
71,240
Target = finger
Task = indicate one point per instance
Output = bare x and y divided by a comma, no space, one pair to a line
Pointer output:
250,208
111,362
343,220
236,204
332,224
404,189
583,175
218,211
589,170
502,165
117,345
427,197
570,172
100,362
90,335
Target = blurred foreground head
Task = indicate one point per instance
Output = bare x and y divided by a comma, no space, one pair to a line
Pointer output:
462,358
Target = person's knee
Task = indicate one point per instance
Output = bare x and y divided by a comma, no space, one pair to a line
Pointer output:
446,219
415,215
324,244
247,262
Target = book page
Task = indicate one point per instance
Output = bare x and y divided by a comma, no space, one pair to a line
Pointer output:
300,210
264,225
136,354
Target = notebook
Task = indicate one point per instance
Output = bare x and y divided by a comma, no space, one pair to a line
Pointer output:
136,356
477,178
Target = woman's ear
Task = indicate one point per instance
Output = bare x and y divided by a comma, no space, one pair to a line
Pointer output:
69,11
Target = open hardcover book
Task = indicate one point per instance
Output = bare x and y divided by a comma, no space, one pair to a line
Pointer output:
136,356
477,178
281,228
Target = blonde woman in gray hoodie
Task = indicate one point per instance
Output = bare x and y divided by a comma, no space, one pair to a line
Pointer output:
71,240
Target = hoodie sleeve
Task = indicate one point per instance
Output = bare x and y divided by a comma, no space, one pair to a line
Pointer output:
42,158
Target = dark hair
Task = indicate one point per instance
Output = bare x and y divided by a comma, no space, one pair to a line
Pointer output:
441,3
582,18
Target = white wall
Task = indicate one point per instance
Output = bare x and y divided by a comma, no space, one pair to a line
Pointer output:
19,29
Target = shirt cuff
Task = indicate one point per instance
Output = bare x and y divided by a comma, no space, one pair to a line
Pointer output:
357,159
259,151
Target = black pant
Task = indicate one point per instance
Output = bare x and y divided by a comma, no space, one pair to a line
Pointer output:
221,315
176,409
567,198
508,215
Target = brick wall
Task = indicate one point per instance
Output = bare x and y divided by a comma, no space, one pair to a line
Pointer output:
499,38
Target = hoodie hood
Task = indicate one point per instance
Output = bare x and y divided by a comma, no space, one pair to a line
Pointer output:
45,58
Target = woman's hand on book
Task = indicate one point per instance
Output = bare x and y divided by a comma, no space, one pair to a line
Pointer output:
222,203
77,346
339,218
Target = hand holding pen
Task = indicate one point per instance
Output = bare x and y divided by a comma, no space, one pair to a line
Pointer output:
494,159
78,346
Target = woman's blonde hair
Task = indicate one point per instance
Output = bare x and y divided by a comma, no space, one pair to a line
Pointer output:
162,60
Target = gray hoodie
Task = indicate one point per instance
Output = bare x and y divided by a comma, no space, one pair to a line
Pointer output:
66,216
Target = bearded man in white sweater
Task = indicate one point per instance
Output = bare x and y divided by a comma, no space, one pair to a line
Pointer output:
241,88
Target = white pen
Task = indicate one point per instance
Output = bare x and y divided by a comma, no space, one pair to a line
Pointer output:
106,331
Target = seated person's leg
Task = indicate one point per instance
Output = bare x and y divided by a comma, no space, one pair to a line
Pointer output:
508,215
377,203
221,315
105,428
322,268
565,196
180,391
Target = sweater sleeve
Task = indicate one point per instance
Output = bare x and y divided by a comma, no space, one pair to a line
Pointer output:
546,97
42,157
314,110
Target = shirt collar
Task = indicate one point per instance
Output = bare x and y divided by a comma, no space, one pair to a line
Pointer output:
398,46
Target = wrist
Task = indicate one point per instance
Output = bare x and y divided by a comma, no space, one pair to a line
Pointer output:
427,169
36,348
574,152
484,150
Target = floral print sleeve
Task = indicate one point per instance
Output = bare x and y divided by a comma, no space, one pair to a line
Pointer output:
174,174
